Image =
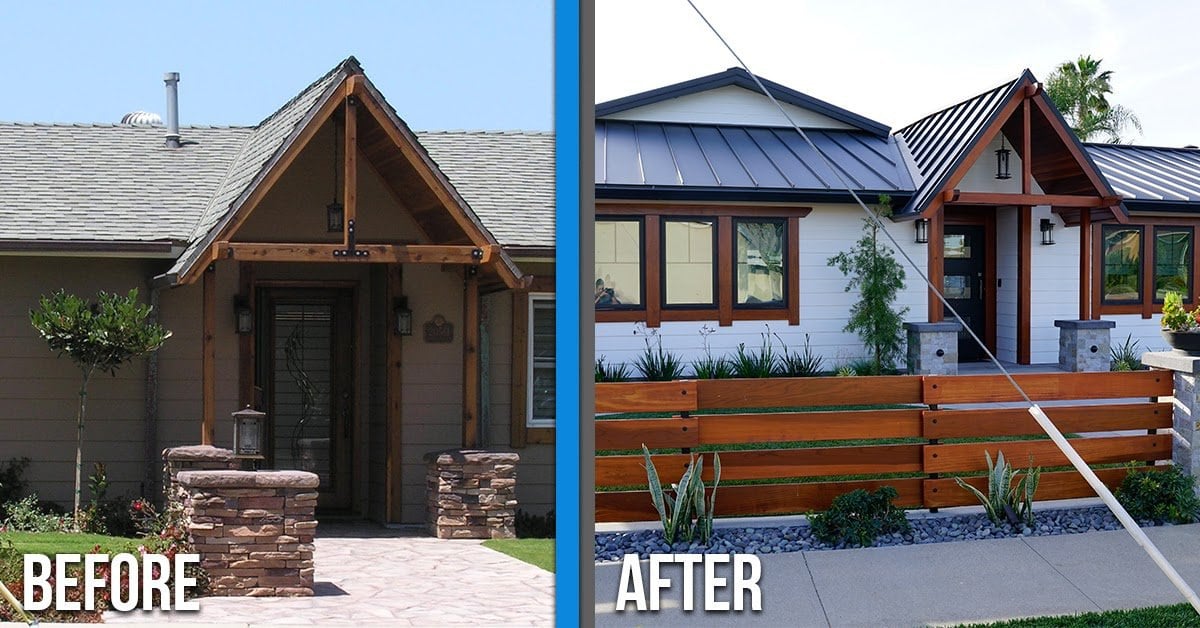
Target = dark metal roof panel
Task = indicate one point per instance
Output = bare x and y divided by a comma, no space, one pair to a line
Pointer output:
1151,174
694,156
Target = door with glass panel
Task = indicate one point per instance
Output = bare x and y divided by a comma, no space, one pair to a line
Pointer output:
305,367
964,285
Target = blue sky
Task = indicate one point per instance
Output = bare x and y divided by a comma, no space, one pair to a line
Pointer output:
474,64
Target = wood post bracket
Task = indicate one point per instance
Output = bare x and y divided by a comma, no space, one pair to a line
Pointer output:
350,250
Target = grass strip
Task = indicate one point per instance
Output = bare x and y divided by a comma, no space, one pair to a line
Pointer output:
536,552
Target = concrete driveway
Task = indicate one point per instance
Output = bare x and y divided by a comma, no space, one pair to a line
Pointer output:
369,575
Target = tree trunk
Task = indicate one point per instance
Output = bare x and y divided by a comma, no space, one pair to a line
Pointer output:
79,443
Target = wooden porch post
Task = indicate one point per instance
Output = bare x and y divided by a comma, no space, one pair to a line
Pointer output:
471,359
937,268
1085,265
350,169
1024,280
395,290
208,370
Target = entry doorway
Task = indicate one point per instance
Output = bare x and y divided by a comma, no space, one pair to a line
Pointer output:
969,277
305,369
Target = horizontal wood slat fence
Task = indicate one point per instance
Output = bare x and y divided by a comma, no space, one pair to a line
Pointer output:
778,438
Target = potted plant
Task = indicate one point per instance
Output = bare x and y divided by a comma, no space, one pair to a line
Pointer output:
1180,328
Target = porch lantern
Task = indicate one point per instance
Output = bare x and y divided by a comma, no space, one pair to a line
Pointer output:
334,212
243,317
1047,231
922,226
249,426
1002,154
403,317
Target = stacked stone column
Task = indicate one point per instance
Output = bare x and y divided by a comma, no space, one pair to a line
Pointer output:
192,458
1185,451
253,529
471,494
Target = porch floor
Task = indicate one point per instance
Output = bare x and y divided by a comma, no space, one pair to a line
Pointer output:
366,574
988,367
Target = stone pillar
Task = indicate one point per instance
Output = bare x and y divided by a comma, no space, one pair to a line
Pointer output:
1186,416
1085,346
933,348
192,458
471,494
253,530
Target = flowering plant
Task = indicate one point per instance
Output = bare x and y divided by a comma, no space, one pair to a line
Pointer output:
1175,317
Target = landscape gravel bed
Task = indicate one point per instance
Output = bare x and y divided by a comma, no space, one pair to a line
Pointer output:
612,546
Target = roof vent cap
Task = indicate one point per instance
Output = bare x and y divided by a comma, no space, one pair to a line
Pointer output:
141,118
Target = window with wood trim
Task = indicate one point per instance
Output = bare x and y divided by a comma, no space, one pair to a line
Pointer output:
619,263
697,263
540,401
1140,263
1173,262
1121,269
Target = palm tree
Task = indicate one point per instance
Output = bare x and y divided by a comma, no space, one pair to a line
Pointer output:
1080,90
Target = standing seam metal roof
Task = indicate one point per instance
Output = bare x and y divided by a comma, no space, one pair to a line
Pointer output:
1150,174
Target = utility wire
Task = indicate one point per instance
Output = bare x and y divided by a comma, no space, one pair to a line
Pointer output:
1039,416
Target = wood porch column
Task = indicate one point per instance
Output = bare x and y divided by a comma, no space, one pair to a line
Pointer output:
937,267
208,358
1024,280
1085,265
350,169
471,359
395,290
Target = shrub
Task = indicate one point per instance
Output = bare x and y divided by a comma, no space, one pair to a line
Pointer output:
689,513
1159,496
12,482
846,370
1174,316
859,517
611,372
751,363
804,364
103,515
1126,356
26,515
1006,500
655,364
864,366
535,526
710,367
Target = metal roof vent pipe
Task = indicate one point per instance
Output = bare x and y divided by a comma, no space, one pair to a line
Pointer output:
172,81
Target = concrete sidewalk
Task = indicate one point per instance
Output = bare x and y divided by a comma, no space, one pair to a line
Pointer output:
939,583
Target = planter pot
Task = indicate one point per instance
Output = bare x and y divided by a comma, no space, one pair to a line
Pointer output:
1185,342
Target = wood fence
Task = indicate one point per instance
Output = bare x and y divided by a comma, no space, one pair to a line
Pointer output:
765,430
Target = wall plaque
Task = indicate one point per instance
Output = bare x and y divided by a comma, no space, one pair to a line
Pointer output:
438,330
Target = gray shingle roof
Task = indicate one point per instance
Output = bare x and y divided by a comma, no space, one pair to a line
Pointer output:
109,182
506,177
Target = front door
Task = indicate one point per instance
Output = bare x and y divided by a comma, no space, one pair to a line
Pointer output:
306,370
964,285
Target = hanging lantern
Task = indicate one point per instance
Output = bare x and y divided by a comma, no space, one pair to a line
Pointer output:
1002,154
334,212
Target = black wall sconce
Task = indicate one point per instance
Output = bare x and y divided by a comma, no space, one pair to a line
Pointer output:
922,228
242,316
403,317
1047,226
1002,154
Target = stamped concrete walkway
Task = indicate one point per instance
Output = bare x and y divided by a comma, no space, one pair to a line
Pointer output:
938,583
367,575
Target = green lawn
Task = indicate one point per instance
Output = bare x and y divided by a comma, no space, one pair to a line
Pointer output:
1178,615
536,552
52,543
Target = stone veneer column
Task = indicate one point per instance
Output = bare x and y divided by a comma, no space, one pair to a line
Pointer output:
253,529
1085,346
933,348
471,494
192,458
1185,451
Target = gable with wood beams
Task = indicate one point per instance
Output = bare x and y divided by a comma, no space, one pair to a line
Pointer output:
369,128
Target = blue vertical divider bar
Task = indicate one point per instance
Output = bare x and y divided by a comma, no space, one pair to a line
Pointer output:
567,304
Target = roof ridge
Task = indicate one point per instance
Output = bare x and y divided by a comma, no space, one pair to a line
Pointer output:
960,103
1139,146
116,125
483,132
350,64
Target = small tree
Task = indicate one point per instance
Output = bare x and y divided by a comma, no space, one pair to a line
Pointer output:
99,337
872,268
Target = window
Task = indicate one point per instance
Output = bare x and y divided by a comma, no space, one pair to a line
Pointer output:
688,266
541,390
618,263
1172,262
1122,264
759,273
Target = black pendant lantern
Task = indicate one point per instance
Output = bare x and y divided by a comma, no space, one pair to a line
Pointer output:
922,226
334,212
1002,154
1047,231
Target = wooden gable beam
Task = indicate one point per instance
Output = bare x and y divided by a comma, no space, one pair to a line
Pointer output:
958,197
375,253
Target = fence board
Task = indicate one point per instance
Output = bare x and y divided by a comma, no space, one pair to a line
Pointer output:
970,456
766,464
679,396
941,389
760,499
941,493
809,391
719,429
1018,421
654,433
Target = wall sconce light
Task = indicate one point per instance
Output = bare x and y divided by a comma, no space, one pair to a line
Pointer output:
403,317
249,427
1002,154
243,317
922,227
1047,231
